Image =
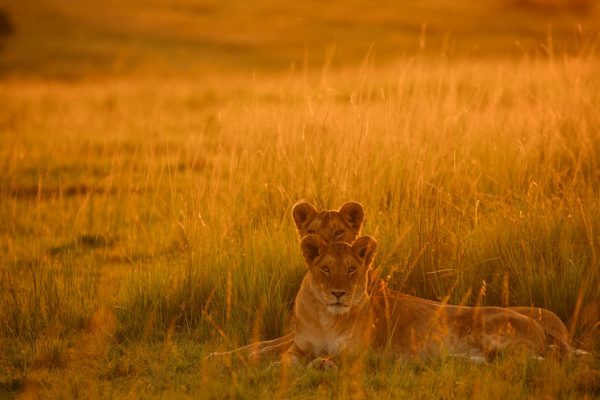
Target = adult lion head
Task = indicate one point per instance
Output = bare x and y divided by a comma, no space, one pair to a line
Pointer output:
339,271
342,225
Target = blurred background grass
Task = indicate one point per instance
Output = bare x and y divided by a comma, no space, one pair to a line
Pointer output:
86,38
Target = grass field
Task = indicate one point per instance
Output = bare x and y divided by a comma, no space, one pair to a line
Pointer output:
150,164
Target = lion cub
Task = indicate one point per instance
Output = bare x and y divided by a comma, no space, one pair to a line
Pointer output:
336,316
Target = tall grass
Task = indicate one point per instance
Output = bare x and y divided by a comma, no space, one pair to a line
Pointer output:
159,215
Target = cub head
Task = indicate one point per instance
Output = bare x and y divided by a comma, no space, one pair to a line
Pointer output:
342,225
339,271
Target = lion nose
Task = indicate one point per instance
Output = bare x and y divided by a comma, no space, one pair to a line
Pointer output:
338,293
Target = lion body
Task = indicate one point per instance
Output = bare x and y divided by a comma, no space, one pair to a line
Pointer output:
344,225
401,323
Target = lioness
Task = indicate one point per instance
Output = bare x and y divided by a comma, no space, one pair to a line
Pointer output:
336,316
344,225
341,225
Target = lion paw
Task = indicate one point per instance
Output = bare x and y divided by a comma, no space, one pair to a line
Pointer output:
322,364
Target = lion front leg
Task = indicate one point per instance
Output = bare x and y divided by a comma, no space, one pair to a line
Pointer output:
292,356
295,354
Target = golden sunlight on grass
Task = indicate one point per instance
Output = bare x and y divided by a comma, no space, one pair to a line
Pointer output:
152,152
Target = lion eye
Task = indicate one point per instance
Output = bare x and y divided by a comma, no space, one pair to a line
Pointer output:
339,233
351,270
311,231
325,269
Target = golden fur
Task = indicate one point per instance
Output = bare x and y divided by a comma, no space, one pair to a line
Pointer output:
336,316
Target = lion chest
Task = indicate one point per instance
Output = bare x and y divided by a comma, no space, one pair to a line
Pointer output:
327,343
331,336
320,332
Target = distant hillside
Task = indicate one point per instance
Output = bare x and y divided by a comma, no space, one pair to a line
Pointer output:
89,37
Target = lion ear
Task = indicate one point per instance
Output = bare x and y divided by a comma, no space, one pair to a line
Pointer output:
353,213
302,212
312,246
365,247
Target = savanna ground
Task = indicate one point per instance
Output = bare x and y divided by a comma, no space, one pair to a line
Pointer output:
151,153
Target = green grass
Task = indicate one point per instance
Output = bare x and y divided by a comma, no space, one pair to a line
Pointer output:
178,370
145,214
139,220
